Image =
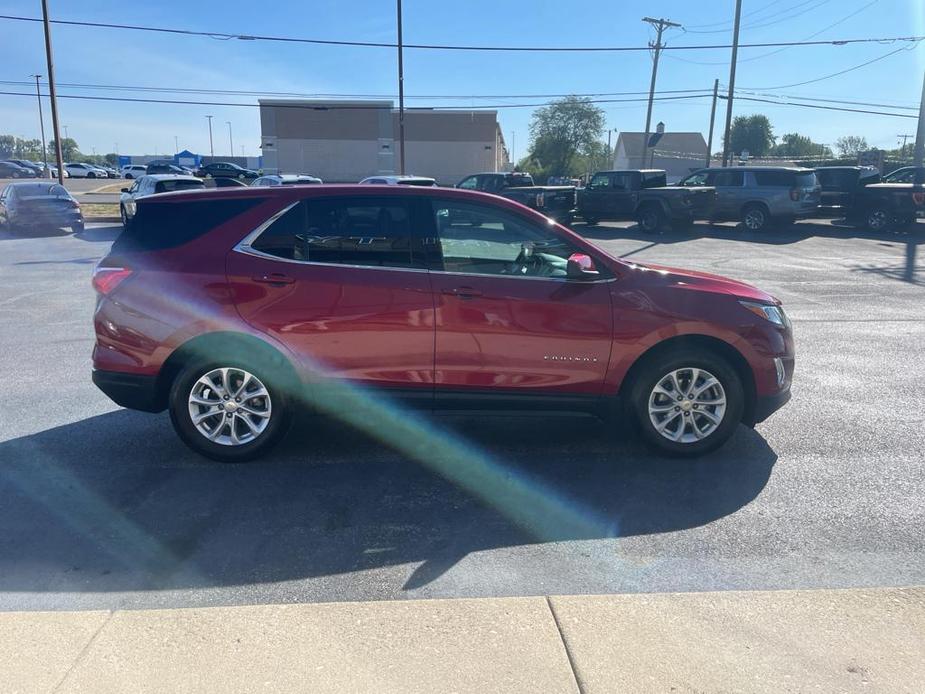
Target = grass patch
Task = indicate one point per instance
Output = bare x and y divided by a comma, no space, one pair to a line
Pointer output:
99,209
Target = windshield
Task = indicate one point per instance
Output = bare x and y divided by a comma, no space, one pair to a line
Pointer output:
30,189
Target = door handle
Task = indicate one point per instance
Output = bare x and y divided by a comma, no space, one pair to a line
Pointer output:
276,278
462,292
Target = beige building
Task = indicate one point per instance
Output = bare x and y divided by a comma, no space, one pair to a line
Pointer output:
677,153
346,141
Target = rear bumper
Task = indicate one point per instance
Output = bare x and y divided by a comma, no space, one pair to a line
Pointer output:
134,391
766,405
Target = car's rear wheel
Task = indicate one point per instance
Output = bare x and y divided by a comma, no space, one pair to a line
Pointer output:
651,219
878,219
228,411
687,402
756,217
591,221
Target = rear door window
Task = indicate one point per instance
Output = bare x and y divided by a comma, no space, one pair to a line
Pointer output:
806,179
373,232
159,225
729,179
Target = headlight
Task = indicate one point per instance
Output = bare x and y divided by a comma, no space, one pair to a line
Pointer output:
770,312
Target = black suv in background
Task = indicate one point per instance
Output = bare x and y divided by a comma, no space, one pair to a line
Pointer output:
557,202
840,188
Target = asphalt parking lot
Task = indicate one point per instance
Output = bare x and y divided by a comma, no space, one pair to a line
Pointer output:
103,507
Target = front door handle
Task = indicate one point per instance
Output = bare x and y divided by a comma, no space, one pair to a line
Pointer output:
462,292
276,278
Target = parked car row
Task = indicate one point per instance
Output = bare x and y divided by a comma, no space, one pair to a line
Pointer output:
758,197
25,168
34,204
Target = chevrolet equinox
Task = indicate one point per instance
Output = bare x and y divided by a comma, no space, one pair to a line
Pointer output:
230,308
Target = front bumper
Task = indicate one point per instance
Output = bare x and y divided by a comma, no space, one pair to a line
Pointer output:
766,405
134,391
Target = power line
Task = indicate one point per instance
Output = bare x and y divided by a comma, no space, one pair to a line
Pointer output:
238,92
341,107
819,3
373,44
840,72
824,108
827,101
728,24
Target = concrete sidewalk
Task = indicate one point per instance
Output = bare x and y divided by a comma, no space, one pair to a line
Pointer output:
789,641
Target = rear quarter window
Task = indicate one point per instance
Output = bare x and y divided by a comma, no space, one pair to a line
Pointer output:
160,225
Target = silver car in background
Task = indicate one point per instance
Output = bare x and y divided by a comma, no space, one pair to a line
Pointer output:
759,195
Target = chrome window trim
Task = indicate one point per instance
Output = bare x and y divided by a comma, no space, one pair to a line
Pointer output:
522,277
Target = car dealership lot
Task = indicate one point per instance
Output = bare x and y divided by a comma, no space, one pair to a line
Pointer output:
106,508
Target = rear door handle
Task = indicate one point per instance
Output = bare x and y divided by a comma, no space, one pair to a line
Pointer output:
277,278
462,292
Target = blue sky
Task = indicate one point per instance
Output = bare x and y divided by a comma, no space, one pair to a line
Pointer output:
111,57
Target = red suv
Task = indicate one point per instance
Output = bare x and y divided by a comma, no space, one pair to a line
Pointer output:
232,307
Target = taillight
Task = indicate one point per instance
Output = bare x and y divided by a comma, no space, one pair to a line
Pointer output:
106,279
795,194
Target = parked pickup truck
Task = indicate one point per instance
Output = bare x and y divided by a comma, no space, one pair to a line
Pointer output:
557,202
884,206
841,188
643,195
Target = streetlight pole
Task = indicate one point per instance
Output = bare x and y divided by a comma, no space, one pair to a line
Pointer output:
660,26
401,97
732,83
211,147
46,172
230,141
49,59
176,144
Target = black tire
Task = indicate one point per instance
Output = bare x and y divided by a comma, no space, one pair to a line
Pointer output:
591,221
756,217
91,175
878,219
77,227
128,177
279,407
684,360
651,219
126,222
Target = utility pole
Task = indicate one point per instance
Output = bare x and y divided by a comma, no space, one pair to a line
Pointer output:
230,141
920,136
211,147
712,121
46,173
401,98
660,26
902,149
732,82
51,92
176,144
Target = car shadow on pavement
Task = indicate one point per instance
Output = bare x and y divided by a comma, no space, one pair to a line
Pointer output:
116,503
33,233
100,234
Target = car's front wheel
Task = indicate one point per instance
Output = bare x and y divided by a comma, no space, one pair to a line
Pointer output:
227,411
687,402
126,221
878,219
651,219
756,217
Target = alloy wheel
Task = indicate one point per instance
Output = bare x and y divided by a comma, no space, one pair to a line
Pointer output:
877,220
230,406
755,219
687,405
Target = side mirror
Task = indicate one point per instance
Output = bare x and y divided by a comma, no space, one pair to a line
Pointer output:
125,190
581,267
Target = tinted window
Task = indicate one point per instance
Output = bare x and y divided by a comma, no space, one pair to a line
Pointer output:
806,180
168,186
655,180
25,189
342,231
159,225
621,181
901,176
483,240
600,181
778,179
728,179
837,179
468,183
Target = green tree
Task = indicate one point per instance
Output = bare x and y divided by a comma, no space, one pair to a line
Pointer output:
796,145
69,149
7,145
561,133
752,133
851,145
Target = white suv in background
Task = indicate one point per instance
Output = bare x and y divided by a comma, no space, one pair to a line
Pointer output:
85,171
134,171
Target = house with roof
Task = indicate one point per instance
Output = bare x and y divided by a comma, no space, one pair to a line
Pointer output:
677,153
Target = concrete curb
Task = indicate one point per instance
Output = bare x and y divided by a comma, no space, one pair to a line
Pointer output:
867,640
